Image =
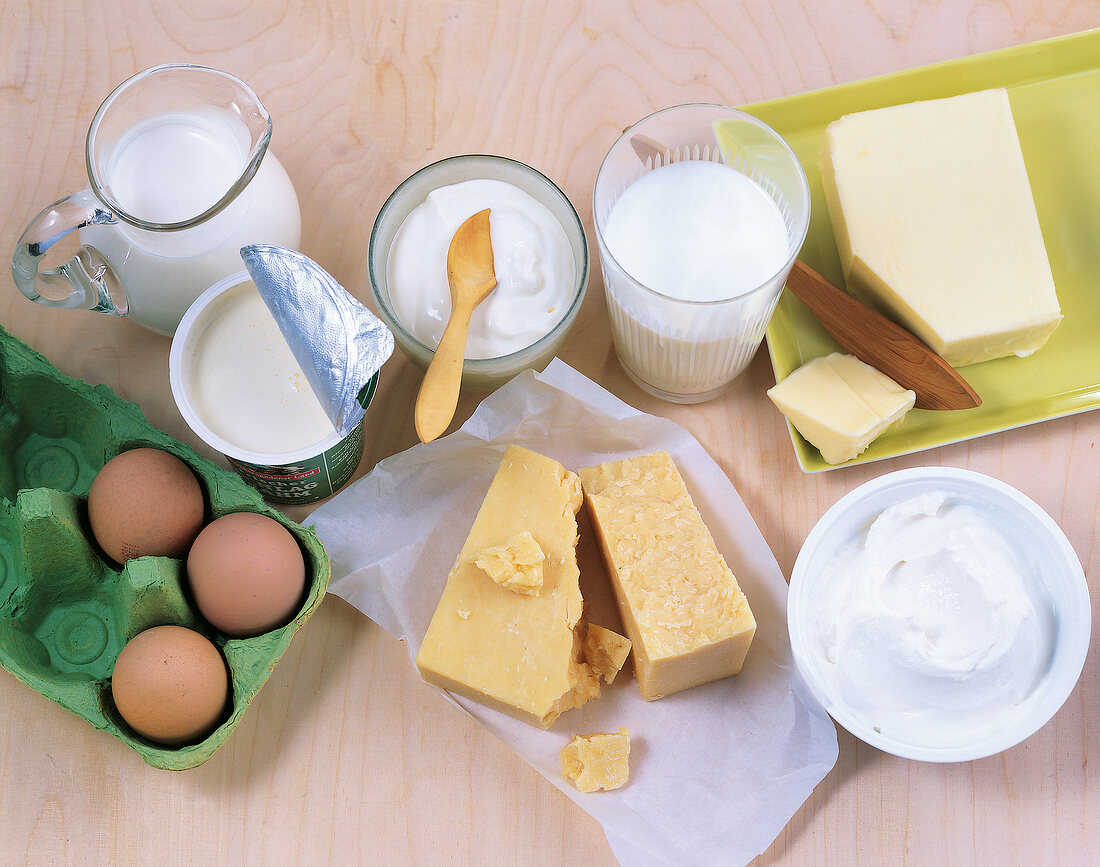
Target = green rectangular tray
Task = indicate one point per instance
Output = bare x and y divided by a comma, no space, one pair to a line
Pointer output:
1054,89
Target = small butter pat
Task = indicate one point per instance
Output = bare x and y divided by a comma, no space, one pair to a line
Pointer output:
597,761
840,405
516,565
522,655
935,224
605,651
686,617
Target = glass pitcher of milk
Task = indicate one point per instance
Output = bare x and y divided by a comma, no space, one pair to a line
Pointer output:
180,179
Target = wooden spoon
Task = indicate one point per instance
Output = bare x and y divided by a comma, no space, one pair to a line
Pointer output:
471,277
862,331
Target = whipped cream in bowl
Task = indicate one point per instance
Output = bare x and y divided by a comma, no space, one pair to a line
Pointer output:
540,257
939,614
532,262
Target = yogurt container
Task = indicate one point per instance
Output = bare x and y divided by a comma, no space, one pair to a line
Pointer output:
240,389
939,614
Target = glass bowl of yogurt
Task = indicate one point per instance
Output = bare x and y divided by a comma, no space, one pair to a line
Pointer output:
939,614
540,256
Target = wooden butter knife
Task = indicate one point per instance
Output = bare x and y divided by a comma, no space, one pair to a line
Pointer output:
882,343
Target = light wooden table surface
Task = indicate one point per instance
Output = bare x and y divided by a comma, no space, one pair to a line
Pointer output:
346,756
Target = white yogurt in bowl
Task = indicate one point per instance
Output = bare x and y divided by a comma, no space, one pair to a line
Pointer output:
532,261
540,257
939,614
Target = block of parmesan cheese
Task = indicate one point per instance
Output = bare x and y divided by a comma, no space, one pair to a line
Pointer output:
519,652
686,617
936,225
840,404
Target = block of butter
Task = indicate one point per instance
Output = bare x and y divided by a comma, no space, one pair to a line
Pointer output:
512,649
936,225
841,405
686,617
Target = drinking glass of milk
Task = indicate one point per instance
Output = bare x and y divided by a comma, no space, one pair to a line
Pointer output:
180,179
700,211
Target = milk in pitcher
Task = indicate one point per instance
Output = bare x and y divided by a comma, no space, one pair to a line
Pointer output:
169,169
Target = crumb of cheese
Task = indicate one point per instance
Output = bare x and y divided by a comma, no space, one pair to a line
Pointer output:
516,565
605,651
597,761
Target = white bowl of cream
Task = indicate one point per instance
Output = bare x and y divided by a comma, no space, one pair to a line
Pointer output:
540,257
939,614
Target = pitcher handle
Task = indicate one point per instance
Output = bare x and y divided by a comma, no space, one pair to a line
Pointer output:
87,281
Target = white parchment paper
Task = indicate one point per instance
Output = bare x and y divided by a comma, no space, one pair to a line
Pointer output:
716,771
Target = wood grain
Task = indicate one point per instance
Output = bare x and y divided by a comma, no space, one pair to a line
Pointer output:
346,757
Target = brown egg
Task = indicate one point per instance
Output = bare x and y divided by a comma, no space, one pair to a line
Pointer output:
170,685
247,574
145,502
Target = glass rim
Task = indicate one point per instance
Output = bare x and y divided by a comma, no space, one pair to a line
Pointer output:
761,288
259,149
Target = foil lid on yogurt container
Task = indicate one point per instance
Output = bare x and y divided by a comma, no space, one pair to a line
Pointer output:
338,342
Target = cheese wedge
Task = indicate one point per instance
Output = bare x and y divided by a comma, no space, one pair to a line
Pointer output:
521,654
686,617
936,226
840,404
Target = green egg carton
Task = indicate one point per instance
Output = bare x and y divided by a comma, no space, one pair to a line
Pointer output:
66,609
